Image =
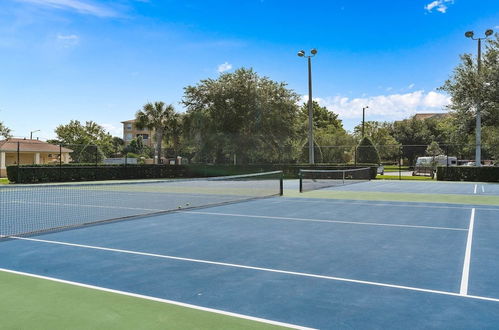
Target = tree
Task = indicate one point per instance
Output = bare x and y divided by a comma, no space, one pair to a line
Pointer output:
136,146
367,153
322,117
90,142
4,131
379,133
158,117
241,116
433,151
491,143
332,144
469,89
118,144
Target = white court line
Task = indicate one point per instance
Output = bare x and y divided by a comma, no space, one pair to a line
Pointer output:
321,220
467,256
270,270
172,302
474,191
330,201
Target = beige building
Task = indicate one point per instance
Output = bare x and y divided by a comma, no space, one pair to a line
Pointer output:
30,152
438,115
130,132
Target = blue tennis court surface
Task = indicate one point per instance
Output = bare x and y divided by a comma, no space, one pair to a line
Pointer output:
312,262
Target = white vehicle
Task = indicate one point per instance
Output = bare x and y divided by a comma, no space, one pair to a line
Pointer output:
428,165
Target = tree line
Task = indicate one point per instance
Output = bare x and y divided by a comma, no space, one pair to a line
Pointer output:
241,117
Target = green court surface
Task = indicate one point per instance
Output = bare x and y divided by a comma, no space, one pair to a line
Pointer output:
398,197
34,303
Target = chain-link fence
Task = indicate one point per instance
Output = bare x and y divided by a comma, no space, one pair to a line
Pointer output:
397,159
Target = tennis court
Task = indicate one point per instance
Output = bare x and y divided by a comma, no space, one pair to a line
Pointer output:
368,255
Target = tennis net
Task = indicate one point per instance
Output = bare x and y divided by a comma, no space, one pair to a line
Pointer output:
29,209
318,179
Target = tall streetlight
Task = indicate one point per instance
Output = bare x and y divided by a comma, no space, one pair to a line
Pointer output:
363,118
301,53
478,130
31,134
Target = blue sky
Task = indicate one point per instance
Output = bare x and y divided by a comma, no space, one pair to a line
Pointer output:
102,60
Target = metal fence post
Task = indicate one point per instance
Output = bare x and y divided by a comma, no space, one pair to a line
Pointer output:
18,161
400,163
60,161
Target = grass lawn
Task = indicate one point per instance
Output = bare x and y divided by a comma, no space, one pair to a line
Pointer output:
395,168
34,303
396,177
4,181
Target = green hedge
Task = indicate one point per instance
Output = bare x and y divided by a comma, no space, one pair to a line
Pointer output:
468,173
67,173
85,172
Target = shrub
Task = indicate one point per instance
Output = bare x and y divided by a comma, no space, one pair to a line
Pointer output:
367,152
468,173
86,172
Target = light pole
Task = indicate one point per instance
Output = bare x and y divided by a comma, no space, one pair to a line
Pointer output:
363,118
301,53
31,134
478,129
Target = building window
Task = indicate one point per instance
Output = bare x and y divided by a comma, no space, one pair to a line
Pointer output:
129,126
128,136
144,136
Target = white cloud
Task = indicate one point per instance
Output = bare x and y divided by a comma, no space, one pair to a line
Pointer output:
386,107
411,86
68,40
81,6
439,5
113,129
224,67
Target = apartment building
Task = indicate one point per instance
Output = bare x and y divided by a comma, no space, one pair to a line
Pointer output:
130,132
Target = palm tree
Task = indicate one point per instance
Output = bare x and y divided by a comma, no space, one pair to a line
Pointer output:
158,117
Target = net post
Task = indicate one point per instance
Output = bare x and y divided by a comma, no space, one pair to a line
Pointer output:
300,176
343,176
281,184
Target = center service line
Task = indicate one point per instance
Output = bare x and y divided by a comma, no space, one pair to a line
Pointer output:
467,256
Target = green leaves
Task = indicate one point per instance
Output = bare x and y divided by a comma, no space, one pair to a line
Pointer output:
90,142
468,88
159,118
367,153
240,115
4,131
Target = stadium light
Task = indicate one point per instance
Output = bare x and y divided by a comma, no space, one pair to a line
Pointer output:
301,53
469,34
31,134
478,129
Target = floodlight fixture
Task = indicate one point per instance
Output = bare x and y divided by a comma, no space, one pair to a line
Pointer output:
313,51
301,53
489,32
469,34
